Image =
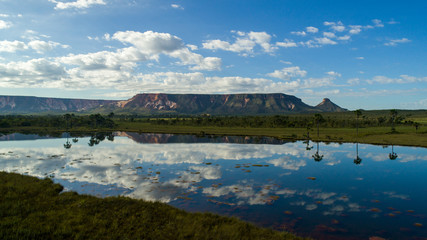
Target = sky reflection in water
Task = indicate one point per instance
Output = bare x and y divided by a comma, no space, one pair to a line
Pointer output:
272,183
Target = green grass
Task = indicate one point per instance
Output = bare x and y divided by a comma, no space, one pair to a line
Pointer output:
32,208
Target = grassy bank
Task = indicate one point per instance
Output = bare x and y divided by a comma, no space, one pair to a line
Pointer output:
31,208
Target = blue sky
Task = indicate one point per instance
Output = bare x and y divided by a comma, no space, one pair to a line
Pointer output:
360,54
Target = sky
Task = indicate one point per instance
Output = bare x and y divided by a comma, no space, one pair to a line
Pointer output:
360,54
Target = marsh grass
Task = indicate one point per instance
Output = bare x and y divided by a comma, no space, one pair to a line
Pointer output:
32,208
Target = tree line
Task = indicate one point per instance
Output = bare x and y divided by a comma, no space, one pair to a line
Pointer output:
66,121
288,121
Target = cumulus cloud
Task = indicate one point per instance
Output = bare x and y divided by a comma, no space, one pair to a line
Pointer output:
244,43
34,73
5,24
336,26
395,42
299,33
312,29
287,43
288,73
79,4
12,46
318,42
329,34
37,45
144,46
43,46
355,29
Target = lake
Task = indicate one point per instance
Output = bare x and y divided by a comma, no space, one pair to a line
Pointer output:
320,190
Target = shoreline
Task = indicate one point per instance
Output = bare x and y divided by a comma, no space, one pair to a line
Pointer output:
404,135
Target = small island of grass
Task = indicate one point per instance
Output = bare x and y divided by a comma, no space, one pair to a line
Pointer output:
32,208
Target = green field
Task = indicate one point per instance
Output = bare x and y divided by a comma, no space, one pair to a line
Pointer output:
32,208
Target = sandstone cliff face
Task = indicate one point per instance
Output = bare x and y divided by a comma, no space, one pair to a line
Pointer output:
149,101
157,103
216,103
24,104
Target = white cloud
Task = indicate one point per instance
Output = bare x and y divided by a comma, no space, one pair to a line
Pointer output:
312,29
245,43
286,43
329,35
288,73
333,74
34,73
403,79
377,23
4,15
344,38
325,41
394,42
355,29
145,46
359,58
37,45
176,6
12,46
336,26
300,33
4,24
192,47
79,4
43,46
286,62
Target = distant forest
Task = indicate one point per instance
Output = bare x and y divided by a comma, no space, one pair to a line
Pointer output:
334,120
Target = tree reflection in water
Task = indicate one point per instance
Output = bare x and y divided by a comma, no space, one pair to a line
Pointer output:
317,157
392,155
67,144
97,138
357,160
308,147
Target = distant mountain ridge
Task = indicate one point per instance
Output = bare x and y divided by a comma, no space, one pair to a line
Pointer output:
30,104
159,103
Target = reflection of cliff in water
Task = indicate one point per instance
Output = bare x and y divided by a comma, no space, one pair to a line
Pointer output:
32,136
172,138
150,137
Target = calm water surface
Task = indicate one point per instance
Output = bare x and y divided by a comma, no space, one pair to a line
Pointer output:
345,191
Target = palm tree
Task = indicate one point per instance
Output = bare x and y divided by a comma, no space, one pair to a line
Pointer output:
416,125
67,118
358,113
318,118
393,114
